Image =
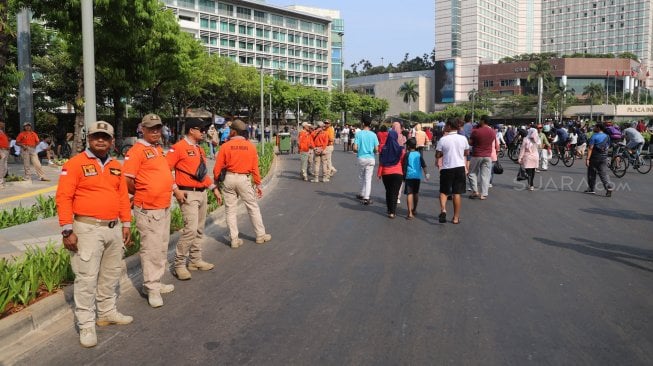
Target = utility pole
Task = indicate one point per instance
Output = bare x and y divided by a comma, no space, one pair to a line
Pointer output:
25,100
88,49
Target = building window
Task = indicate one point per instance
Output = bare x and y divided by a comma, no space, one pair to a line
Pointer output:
260,16
243,13
227,27
291,23
225,9
276,20
488,83
306,26
207,5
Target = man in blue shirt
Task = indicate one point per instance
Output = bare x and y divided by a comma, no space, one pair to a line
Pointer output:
365,145
597,160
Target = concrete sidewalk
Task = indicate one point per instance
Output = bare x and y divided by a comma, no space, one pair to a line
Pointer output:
21,331
24,193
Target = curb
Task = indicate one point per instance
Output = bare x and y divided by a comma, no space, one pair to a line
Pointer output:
17,327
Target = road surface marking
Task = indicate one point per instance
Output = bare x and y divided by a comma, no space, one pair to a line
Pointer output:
30,194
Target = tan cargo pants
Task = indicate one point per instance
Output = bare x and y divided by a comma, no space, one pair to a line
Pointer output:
190,242
240,185
30,158
97,265
154,227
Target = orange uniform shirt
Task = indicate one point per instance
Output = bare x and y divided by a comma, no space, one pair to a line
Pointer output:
27,138
86,188
321,140
147,164
238,155
4,141
186,156
305,141
331,133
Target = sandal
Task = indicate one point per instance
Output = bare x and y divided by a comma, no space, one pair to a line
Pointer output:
443,217
410,217
455,221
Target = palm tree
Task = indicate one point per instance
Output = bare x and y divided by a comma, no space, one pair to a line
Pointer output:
540,69
408,91
593,92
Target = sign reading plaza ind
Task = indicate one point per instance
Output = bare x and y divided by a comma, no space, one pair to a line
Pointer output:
635,110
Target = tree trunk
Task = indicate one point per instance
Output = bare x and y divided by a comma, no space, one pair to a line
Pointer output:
78,142
4,50
119,117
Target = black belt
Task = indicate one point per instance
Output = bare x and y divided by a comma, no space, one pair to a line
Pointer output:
93,221
192,189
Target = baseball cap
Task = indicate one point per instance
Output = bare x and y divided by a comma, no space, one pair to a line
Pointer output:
238,125
304,124
196,123
151,120
100,127
320,124
326,121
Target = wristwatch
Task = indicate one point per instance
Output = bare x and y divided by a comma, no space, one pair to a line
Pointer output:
66,233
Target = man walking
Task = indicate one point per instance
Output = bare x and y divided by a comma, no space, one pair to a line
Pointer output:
150,181
93,208
365,145
188,160
320,143
305,144
328,152
27,140
451,152
482,143
239,157
597,160
4,154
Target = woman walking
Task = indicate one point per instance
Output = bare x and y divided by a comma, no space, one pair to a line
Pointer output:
391,172
529,157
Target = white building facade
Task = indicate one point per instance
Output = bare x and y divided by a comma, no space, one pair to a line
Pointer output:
254,33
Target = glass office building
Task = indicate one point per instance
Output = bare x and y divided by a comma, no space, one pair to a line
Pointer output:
281,40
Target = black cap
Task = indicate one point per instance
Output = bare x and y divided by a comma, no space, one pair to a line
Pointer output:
196,123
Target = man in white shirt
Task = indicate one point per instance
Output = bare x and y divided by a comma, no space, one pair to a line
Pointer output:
451,156
44,150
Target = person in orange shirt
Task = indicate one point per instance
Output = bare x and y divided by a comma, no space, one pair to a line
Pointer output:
239,158
92,202
328,152
150,181
188,160
4,154
27,140
320,143
305,142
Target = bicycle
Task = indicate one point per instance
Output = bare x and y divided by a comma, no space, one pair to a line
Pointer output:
567,156
624,158
513,150
118,150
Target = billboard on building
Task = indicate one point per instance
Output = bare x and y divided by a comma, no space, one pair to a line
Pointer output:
445,86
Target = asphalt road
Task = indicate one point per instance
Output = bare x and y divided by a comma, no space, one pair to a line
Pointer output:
551,277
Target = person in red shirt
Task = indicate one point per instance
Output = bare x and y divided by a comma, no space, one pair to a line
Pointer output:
94,213
188,160
150,181
27,140
4,154
482,142
239,159
305,142
320,143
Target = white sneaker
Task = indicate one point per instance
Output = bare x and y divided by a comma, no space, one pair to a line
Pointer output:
167,288
87,337
154,299
263,239
236,243
115,318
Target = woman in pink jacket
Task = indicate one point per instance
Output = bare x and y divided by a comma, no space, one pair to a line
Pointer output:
529,158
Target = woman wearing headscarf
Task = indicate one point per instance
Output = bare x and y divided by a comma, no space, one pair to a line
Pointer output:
529,158
390,171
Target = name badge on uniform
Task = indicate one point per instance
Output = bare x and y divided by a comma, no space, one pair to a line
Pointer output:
191,152
149,154
89,170
114,171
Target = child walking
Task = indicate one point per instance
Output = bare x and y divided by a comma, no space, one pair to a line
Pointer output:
413,166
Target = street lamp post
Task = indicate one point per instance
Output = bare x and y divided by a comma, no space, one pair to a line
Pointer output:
342,69
473,94
262,142
88,55
297,115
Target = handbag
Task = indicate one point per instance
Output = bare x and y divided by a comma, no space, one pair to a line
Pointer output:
521,174
497,168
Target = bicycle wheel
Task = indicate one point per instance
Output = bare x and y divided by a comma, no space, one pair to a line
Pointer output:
555,158
513,153
501,153
619,165
644,164
124,149
568,158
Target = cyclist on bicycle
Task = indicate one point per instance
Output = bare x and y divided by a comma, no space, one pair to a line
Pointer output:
561,138
634,140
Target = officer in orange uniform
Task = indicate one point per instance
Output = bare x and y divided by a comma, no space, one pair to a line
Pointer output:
94,213
27,140
188,160
328,152
4,154
150,181
238,156
305,142
320,143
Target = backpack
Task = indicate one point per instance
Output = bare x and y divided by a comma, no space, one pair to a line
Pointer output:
613,132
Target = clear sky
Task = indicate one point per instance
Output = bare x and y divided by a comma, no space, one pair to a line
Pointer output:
381,28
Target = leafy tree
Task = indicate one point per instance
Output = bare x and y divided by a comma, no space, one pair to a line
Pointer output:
313,102
345,102
9,75
594,94
408,92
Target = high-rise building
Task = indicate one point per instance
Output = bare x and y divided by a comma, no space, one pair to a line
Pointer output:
279,39
472,32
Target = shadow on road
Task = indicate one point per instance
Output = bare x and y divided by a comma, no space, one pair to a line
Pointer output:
614,252
622,214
